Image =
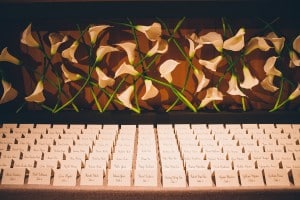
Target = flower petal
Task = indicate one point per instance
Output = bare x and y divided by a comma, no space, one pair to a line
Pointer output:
103,79
6,56
213,38
296,44
211,64
269,67
257,43
94,31
56,39
202,80
295,93
166,68
152,32
124,97
28,39
249,80
151,91
103,50
129,47
235,43
277,42
295,60
37,95
268,85
70,76
212,94
126,69
234,88
69,53
161,46
9,93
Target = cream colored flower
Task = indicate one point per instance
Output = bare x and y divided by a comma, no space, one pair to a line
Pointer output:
161,46
6,56
152,32
9,93
56,39
235,43
213,38
94,31
278,42
103,79
126,69
151,90
37,95
194,44
257,43
233,87
268,85
166,69
129,47
28,39
295,93
212,94
211,64
70,76
269,67
295,60
69,53
249,80
202,80
296,44
125,96
103,50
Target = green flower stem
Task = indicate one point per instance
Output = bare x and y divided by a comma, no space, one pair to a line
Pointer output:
243,103
280,105
96,100
216,106
280,92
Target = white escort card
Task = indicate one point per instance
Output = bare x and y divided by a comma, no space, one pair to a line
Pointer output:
47,164
146,177
70,164
290,164
174,178
296,176
19,147
39,147
40,176
244,164
53,155
11,154
226,178
65,177
196,164
121,164
220,164
5,163
25,163
13,176
199,178
36,155
118,177
91,177
251,177
276,177
146,164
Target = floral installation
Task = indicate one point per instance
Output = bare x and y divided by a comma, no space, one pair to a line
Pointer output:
138,72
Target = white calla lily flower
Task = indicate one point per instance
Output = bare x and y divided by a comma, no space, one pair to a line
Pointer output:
166,69
9,93
212,94
213,38
257,43
126,69
94,31
202,80
161,46
70,76
103,79
211,64
56,39
125,96
194,44
269,67
152,32
69,53
151,90
37,95
233,87
278,42
296,44
103,50
28,39
295,60
295,93
6,56
249,80
235,43
129,47
268,85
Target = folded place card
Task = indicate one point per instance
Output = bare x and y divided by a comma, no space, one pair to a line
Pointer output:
146,164
117,177
121,164
24,163
3,147
173,178
276,177
40,176
290,164
5,163
251,177
145,177
281,156
82,147
47,164
215,156
91,177
238,156
243,164
19,147
226,178
45,141
196,164
66,142
262,164
11,154
53,155
76,156
13,176
39,147
199,178
60,148
70,164
220,164
296,176
65,177
28,141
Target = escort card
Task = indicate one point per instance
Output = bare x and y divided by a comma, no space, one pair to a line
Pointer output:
199,178
146,177
3,147
65,142
19,147
220,164
296,176
261,164
91,177
244,164
196,164
83,147
28,141
47,164
146,164
251,177
226,178
70,164
10,154
59,148
276,177
13,176
40,176
238,156
24,163
118,177
76,156
5,163
65,177
53,155
174,178
121,164
290,164
36,155
215,156
39,147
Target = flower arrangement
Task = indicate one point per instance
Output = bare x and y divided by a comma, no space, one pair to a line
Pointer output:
155,62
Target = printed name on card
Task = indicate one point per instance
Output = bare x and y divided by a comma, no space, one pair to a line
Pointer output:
251,177
118,177
199,178
174,178
40,176
145,177
13,176
226,178
91,177
65,177
276,177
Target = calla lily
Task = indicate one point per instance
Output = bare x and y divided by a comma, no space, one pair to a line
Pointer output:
233,87
124,97
161,46
268,85
235,43
296,44
278,42
56,39
70,76
152,32
213,38
295,93
103,79
249,80
6,56
202,80
193,40
151,91
69,53
37,95
166,69
212,94
9,93
295,60
126,69
94,31
28,39
129,47
269,67
257,43
211,64
103,50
